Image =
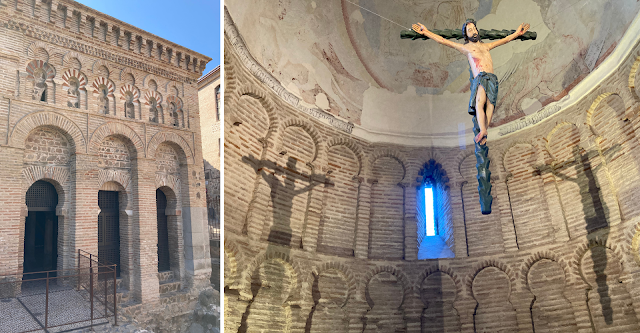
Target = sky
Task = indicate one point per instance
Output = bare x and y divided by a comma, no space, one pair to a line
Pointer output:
194,24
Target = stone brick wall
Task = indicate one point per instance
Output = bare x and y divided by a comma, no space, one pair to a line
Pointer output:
76,91
560,251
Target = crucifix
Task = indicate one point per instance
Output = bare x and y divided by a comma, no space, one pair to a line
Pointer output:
484,84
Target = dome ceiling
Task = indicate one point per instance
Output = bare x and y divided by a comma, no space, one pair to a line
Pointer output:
353,64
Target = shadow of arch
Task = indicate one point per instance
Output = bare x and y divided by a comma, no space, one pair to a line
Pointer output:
265,255
274,292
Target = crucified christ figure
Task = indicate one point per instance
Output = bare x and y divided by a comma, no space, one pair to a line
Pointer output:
484,85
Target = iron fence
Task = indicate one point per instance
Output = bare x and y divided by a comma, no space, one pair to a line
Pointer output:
60,300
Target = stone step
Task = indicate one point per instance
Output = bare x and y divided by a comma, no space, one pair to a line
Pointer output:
165,276
169,286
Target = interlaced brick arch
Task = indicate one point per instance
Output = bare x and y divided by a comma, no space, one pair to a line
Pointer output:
442,269
128,70
67,57
352,145
36,172
119,177
604,92
69,73
114,128
462,155
596,103
266,102
34,65
132,89
34,46
582,250
319,153
513,145
264,256
98,64
407,287
172,86
106,82
166,136
149,94
170,181
344,271
148,78
542,255
486,264
386,152
555,130
47,118
175,100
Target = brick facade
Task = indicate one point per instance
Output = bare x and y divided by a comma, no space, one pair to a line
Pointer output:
321,227
91,103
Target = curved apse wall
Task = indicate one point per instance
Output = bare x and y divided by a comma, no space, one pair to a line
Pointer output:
324,237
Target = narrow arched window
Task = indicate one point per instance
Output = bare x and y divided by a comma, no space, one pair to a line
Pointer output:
435,223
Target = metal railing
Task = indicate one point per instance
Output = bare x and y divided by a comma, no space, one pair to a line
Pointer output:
62,299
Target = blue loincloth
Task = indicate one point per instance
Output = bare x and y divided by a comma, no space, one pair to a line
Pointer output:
489,82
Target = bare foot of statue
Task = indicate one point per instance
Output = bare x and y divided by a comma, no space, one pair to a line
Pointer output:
481,138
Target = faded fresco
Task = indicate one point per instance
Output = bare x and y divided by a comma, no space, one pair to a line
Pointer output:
353,64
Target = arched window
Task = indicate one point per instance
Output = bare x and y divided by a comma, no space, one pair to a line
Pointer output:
435,224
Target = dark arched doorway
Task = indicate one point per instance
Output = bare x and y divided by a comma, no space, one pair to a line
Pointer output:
164,260
109,228
41,229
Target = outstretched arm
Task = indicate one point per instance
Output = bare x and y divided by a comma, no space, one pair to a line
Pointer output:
519,32
421,29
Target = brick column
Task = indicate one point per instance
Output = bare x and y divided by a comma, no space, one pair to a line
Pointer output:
257,210
457,214
466,307
145,233
195,230
552,198
410,221
506,217
12,209
521,301
361,247
314,212
85,203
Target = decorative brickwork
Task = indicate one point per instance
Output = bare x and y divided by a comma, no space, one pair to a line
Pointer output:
559,252
71,116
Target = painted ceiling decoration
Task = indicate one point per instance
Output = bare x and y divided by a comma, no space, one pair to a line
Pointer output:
351,62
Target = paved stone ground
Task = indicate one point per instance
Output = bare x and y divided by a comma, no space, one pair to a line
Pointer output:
65,305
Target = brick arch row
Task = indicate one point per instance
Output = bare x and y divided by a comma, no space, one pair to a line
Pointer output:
21,130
